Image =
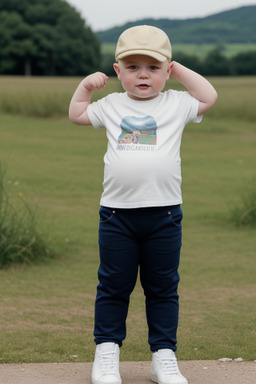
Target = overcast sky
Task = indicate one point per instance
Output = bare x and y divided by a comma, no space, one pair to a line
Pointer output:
103,14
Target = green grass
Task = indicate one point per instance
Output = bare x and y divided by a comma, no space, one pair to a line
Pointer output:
201,50
47,309
20,242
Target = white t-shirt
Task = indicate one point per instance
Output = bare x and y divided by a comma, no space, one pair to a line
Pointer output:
142,163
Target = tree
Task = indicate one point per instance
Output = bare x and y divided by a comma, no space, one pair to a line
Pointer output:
191,61
244,63
216,64
45,37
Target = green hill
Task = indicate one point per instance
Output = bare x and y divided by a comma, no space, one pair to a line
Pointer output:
229,27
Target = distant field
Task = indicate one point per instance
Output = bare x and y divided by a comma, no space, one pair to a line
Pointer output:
47,309
50,97
199,50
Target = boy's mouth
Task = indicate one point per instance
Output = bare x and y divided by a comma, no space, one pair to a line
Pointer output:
143,86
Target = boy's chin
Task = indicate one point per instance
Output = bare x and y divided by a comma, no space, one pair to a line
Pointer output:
142,97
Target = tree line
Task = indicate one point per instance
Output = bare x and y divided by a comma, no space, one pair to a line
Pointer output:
215,63
49,37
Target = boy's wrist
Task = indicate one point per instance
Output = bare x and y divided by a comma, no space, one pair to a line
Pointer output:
87,86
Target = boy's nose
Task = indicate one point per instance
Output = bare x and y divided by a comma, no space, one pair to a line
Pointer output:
143,74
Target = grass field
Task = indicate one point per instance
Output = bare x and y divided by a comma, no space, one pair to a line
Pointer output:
47,308
199,50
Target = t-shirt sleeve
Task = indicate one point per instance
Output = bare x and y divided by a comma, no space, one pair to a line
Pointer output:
190,106
94,111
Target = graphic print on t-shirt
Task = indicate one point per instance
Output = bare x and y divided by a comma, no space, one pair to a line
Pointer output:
138,130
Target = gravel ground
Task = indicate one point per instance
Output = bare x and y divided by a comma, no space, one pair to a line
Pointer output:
197,372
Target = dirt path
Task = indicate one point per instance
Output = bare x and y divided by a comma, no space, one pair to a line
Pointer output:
197,372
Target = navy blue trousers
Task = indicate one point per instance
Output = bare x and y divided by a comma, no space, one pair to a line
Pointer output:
148,240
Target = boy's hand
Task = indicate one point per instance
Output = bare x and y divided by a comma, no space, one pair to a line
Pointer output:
82,97
95,81
196,84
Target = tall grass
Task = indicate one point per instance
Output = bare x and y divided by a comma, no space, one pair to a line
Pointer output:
236,99
20,241
50,97
39,96
243,212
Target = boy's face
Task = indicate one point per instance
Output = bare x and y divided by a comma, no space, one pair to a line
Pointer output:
143,77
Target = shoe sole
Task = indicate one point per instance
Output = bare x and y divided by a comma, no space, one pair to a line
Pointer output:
155,379
95,381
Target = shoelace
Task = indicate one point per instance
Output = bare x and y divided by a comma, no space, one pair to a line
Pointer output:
169,365
108,363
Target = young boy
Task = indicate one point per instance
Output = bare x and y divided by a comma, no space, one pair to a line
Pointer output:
140,214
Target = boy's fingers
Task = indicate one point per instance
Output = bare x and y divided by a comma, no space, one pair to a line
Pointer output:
96,81
101,80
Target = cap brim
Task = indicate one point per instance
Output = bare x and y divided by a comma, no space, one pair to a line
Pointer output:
153,54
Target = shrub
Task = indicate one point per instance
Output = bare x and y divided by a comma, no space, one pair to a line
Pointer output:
20,242
243,213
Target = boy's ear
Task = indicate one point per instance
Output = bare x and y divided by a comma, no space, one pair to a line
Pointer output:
169,70
116,69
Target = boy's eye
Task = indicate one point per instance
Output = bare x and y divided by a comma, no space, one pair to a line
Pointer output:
153,67
133,67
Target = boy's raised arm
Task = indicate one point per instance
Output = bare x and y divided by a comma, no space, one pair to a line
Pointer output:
197,86
82,97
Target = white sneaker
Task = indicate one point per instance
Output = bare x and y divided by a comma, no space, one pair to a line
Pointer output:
164,368
105,368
